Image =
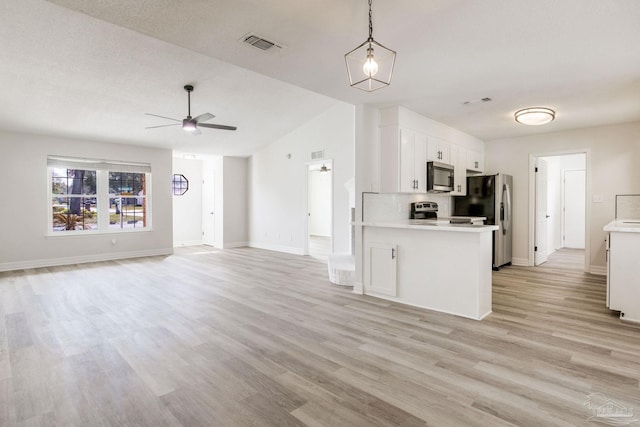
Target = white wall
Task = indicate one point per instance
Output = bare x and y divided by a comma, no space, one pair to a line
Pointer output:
278,184
187,209
319,186
25,212
367,168
234,202
613,167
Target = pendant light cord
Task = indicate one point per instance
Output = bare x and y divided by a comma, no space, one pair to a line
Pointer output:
370,23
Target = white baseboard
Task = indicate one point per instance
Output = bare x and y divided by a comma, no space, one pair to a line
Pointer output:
277,248
234,245
358,289
52,262
599,270
187,243
521,262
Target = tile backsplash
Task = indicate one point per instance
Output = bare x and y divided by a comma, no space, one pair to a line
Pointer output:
628,207
396,206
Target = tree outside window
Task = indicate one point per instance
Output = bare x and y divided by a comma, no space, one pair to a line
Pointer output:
98,195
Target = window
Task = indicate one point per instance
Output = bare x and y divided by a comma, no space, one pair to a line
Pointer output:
99,196
127,193
73,196
180,184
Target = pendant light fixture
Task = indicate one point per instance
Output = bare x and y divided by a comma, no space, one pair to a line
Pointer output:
370,65
534,116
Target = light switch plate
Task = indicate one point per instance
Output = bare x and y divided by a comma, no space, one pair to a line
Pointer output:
598,198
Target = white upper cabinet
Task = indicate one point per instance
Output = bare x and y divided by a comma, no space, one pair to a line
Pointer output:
403,161
438,150
475,161
459,162
409,140
413,162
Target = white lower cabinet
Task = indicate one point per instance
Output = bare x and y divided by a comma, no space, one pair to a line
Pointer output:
380,272
623,275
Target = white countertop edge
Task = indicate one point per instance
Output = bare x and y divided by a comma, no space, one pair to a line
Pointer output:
622,226
464,228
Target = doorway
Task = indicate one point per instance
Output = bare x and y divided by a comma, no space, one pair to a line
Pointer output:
319,209
559,222
208,205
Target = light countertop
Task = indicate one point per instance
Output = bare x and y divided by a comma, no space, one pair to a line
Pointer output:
441,224
624,226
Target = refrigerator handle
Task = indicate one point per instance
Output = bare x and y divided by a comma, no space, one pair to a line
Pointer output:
506,194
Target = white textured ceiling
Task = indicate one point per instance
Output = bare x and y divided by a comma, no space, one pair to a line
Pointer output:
64,72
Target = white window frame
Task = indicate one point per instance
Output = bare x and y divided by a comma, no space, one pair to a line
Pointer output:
102,169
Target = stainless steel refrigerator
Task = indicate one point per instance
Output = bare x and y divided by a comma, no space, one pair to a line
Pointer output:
490,196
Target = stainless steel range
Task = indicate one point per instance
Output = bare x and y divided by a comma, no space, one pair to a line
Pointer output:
423,210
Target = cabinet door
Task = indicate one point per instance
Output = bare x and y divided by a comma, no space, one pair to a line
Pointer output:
438,150
459,162
407,176
475,161
624,270
381,268
420,162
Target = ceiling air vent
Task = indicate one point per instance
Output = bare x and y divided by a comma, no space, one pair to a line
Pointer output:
317,155
260,42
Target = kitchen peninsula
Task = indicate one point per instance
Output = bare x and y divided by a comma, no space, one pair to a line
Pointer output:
430,264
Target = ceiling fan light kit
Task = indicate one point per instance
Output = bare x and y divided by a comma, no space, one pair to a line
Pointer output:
535,116
191,124
370,65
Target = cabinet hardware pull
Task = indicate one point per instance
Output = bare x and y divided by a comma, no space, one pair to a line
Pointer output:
393,253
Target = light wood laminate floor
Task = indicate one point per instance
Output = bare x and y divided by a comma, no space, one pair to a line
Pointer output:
565,259
248,337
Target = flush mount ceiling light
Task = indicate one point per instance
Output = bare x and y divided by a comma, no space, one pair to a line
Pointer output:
370,65
534,116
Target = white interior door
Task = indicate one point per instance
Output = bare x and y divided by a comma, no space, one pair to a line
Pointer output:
208,204
540,254
574,208
319,209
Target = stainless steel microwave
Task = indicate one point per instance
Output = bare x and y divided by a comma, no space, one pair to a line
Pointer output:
439,177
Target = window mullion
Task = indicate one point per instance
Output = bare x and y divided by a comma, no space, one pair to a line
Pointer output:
102,187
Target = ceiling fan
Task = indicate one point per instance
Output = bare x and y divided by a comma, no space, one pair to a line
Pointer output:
191,124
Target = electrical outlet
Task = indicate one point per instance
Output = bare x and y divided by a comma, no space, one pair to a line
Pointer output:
598,198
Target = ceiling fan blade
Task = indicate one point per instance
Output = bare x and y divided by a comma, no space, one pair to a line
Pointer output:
163,126
163,117
212,126
203,117
196,131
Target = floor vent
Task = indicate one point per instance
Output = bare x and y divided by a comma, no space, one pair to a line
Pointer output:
260,42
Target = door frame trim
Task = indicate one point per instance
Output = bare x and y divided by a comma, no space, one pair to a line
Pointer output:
532,202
